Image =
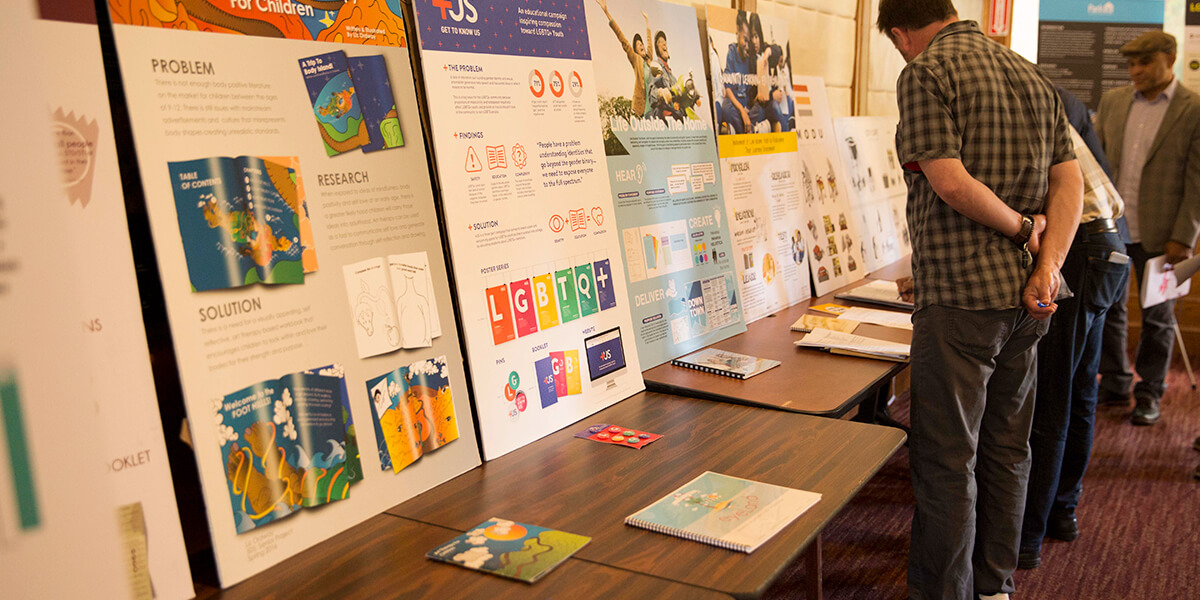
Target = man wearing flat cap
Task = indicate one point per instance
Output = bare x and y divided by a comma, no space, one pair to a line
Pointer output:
1151,133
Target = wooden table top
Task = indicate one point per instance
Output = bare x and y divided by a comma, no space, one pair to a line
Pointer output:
384,557
588,488
809,381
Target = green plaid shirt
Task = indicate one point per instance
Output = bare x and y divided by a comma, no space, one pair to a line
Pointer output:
969,98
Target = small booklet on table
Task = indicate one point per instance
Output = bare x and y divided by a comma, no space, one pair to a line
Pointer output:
876,291
510,549
729,512
807,323
722,362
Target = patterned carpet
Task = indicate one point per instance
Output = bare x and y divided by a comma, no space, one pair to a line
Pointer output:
1139,519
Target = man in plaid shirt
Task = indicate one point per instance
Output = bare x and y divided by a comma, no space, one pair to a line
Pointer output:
994,197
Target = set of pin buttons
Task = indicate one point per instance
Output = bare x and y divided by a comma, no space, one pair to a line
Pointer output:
617,435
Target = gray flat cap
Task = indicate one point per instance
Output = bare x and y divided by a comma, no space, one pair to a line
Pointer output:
1149,43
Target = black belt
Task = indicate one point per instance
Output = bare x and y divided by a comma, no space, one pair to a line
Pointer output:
1098,226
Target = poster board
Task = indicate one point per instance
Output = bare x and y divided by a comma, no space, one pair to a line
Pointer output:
757,144
283,162
878,192
529,215
58,536
1078,42
836,241
1191,46
112,332
662,166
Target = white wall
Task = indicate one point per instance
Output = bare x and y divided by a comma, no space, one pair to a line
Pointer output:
883,63
822,36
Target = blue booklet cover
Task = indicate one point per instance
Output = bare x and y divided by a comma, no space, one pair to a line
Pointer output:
510,549
729,512
335,104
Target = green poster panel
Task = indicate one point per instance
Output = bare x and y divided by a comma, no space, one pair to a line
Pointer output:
585,281
568,302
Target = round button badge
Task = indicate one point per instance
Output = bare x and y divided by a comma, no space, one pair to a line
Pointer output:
509,393
615,429
602,436
514,380
644,436
618,438
522,401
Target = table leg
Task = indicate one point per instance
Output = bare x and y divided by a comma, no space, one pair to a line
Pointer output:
877,411
812,570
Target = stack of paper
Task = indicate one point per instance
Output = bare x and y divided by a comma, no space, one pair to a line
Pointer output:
876,291
854,345
886,318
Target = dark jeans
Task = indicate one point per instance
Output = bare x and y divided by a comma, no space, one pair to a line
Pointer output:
728,113
1154,346
973,379
1064,415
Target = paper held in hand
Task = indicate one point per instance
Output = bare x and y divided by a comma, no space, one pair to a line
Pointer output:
854,345
1159,283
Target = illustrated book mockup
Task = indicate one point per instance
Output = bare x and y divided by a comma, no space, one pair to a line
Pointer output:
287,444
413,411
243,220
729,512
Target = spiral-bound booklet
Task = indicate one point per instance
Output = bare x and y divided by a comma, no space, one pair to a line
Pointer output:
729,512
723,362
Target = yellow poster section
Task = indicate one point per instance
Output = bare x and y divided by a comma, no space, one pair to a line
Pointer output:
756,144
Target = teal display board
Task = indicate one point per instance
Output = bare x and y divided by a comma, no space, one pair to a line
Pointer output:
666,184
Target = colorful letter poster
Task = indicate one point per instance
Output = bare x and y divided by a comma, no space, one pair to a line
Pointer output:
121,388
286,183
878,193
529,213
662,166
829,226
756,138
58,526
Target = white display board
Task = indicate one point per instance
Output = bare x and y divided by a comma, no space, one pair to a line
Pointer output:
287,187
878,193
112,331
756,139
529,213
58,534
835,235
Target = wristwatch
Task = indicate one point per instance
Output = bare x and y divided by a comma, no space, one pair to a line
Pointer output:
1026,231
